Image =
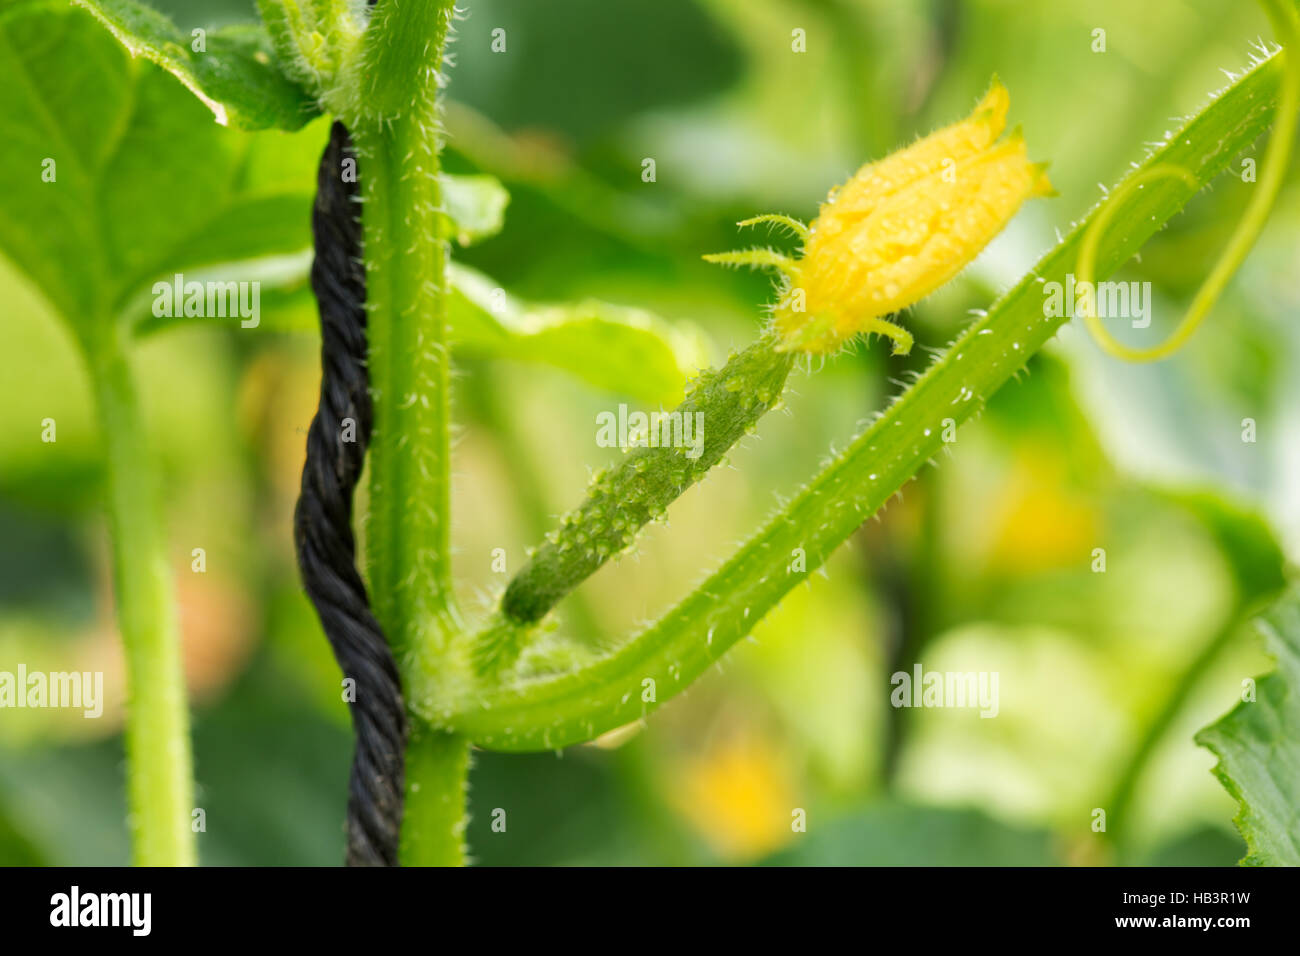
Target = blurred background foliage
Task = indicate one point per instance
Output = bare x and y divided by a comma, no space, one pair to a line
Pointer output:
984,564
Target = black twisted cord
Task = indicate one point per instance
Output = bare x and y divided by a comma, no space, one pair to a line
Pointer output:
323,518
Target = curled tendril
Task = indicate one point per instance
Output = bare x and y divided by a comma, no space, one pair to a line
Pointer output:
1286,26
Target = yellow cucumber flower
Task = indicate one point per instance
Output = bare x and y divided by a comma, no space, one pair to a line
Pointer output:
899,229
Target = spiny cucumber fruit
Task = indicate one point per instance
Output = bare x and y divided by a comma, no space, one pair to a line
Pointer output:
624,498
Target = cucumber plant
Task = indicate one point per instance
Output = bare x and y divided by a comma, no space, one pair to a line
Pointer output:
509,681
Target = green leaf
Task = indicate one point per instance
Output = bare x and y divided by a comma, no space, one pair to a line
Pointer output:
285,298
620,349
475,206
235,74
115,176
1256,562
1258,746
1245,539
1203,846
16,849
895,834
476,210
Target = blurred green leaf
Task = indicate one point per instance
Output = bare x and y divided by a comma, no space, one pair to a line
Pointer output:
1258,746
621,349
117,176
1245,540
38,785
613,66
235,73
1202,846
476,210
476,206
264,731
267,730
286,300
579,811
896,834
15,848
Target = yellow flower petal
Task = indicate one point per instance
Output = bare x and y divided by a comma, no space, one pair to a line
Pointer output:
917,239
900,228
878,180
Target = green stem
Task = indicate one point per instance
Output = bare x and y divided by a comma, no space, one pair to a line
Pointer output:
393,122
433,823
159,766
551,712
408,526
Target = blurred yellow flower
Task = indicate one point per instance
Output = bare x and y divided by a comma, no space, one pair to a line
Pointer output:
739,796
899,229
1041,523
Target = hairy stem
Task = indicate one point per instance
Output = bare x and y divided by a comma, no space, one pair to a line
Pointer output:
394,126
433,825
408,524
160,790
550,712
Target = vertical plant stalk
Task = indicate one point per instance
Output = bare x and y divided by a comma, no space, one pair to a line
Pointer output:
408,524
408,529
437,773
160,789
